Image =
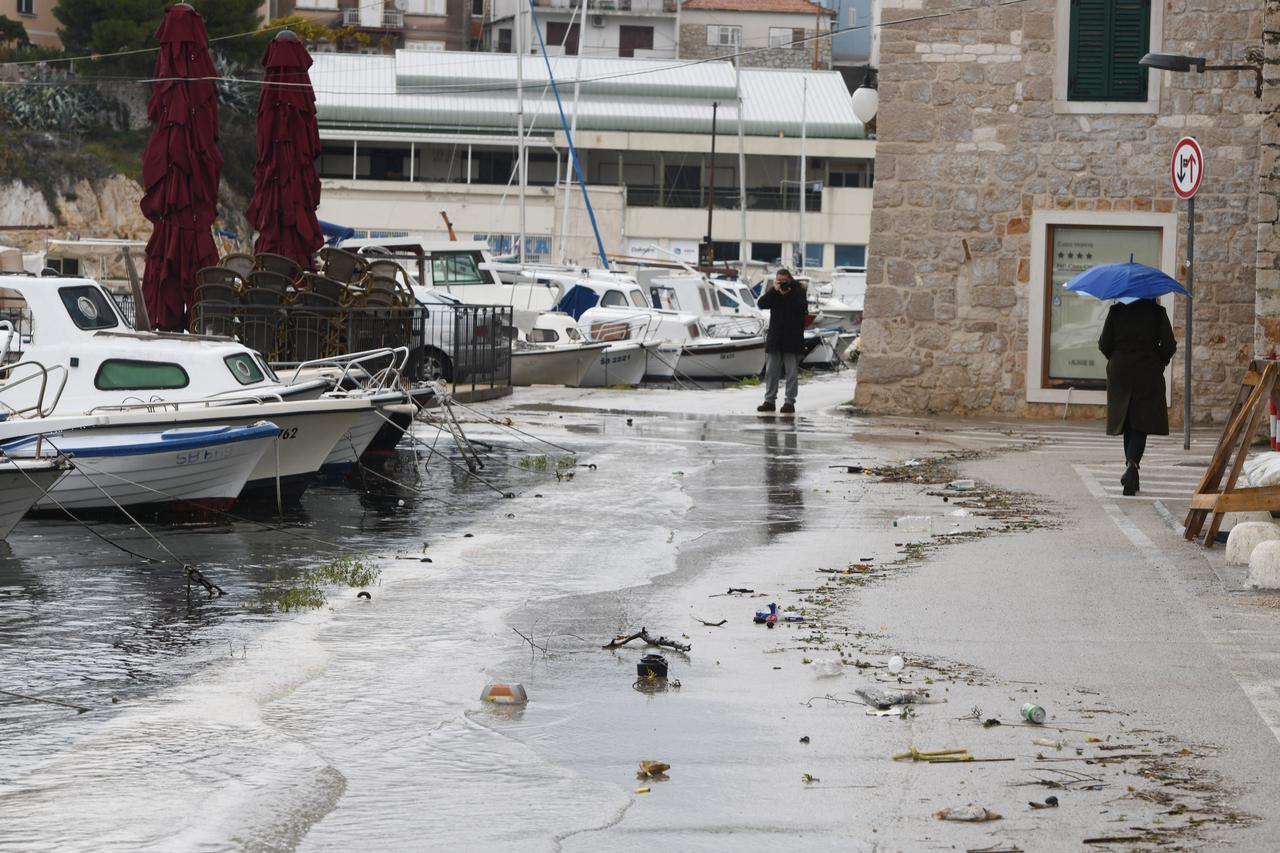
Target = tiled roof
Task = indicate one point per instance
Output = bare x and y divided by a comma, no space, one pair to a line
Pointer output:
803,7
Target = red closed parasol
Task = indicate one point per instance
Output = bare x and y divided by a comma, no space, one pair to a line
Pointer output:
286,187
181,166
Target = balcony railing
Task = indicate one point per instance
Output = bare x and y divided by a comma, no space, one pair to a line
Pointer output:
764,198
643,7
388,20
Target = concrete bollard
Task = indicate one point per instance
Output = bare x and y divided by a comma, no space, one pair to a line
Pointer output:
1264,566
1245,537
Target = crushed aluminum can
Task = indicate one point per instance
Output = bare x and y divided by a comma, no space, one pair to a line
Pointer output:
1033,713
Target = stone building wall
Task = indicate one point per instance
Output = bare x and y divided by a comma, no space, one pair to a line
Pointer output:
693,45
1267,329
971,145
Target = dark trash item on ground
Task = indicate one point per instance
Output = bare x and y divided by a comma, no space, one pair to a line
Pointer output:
991,723
711,624
1033,713
1049,803
467,535
652,666
971,813
363,594
792,617
737,590
643,634
804,739
878,697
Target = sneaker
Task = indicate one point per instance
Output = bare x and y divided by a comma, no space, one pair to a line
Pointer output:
765,407
788,409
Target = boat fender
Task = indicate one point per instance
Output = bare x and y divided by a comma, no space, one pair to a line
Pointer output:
364,594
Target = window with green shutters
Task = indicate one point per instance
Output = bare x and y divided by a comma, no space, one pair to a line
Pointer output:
1108,37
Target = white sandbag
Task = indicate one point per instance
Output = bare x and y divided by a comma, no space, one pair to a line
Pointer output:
1264,566
1244,538
1263,469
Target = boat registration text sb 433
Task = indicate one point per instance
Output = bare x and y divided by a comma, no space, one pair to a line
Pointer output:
204,454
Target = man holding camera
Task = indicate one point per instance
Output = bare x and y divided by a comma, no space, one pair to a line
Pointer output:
788,307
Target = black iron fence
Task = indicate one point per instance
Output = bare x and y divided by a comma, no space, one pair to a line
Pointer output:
468,346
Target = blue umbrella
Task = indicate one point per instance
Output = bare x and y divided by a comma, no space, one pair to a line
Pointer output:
1127,282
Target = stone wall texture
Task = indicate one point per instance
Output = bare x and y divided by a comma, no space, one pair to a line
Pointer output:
970,145
693,45
1267,329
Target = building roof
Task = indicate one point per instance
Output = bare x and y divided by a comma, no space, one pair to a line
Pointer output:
800,7
467,92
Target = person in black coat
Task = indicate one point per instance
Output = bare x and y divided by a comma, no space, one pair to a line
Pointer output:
1138,343
788,307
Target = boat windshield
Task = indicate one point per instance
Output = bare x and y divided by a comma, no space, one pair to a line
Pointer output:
637,298
457,269
88,306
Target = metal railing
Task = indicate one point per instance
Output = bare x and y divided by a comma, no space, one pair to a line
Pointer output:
725,198
390,20
641,6
467,346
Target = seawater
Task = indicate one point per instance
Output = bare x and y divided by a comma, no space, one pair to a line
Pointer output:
222,726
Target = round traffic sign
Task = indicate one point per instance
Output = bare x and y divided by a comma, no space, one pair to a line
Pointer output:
1187,167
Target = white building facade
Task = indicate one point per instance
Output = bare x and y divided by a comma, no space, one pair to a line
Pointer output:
408,136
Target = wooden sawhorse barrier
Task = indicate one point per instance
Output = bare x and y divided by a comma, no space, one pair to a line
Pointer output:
1213,495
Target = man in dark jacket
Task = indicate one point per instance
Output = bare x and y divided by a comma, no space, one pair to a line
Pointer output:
788,307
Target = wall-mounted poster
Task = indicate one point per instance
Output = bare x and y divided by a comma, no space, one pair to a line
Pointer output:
1074,320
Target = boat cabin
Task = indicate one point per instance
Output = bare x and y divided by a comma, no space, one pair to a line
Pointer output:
65,347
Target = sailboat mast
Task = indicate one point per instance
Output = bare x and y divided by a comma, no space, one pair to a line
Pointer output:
742,168
804,133
573,129
521,174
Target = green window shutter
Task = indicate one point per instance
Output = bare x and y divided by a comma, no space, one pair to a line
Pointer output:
1107,39
1130,35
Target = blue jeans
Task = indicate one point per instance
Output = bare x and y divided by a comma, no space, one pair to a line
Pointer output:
777,363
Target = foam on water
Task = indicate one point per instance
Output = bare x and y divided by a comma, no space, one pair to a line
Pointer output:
362,721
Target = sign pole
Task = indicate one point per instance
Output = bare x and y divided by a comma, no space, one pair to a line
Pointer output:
1186,354
1187,170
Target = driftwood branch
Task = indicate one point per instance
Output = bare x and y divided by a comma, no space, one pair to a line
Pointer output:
643,634
710,624
82,709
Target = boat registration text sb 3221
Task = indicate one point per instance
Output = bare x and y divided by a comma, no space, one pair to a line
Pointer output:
205,454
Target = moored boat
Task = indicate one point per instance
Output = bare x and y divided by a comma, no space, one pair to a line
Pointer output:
169,473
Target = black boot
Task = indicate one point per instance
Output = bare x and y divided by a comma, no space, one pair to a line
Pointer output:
1130,479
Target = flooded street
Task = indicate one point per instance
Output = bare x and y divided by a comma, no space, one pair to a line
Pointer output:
225,726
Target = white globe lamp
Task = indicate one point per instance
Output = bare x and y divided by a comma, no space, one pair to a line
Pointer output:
866,102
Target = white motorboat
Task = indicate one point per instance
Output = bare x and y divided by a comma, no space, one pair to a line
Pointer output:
308,431
552,364
189,470
71,328
623,361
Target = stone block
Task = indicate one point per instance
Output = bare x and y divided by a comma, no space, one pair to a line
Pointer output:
1248,535
1264,565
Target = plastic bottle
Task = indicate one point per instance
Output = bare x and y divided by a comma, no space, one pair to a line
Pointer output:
923,523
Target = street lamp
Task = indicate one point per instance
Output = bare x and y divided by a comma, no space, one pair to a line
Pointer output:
1178,62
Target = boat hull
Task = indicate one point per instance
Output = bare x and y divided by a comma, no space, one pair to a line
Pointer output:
553,365
192,478
620,364
662,362
725,361
352,444
22,483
